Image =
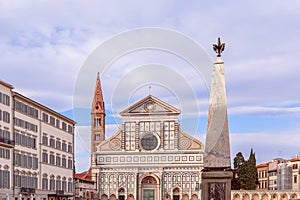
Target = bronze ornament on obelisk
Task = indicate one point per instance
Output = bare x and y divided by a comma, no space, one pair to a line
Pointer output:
217,175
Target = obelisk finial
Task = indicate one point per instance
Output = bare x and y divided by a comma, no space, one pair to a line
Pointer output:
219,47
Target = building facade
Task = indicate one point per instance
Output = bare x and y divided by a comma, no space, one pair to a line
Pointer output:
39,142
85,187
281,174
295,165
150,157
263,177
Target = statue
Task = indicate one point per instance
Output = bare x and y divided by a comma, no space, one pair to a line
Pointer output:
219,48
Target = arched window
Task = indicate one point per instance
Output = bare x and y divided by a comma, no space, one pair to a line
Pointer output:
52,183
45,182
58,183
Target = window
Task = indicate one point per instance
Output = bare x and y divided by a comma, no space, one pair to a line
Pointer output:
45,183
4,153
58,144
45,140
70,148
64,126
58,183
70,129
97,137
5,136
70,185
149,142
24,140
97,122
295,166
52,142
23,160
58,160
25,109
64,185
52,162
24,124
64,162
45,117
64,146
4,179
52,184
29,162
5,99
295,178
0,115
52,121
45,157
70,164
57,123
31,142
6,117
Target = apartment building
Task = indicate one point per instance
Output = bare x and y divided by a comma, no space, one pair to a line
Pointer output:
85,187
36,149
6,141
295,165
272,173
262,171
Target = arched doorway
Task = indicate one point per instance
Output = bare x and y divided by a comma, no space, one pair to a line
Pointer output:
104,197
112,197
176,194
185,197
130,197
194,197
121,194
149,188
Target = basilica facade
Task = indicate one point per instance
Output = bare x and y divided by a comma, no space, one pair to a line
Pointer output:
149,157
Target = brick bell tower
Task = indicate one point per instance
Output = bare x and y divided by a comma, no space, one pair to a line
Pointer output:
97,117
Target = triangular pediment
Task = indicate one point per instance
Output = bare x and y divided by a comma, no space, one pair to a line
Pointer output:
150,105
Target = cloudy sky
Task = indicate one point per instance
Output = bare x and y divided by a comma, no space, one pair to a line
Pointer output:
45,44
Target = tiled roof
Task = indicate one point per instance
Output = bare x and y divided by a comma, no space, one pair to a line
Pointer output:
85,177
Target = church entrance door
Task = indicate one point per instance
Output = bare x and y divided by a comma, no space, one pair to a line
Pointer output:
121,197
149,194
176,197
149,188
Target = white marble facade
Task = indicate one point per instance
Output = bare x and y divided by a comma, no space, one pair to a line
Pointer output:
150,157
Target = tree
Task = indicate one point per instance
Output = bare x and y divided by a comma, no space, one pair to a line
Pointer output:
252,172
238,163
238,160
245,172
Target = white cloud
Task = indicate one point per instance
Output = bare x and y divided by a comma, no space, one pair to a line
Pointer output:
266,145
260,110
41,56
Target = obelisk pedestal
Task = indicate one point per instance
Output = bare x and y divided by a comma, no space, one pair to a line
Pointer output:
217,175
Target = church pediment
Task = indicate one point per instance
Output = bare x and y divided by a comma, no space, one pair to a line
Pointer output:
113,143
150,105
187,142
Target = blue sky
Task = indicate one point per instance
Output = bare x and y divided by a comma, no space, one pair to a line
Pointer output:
44,45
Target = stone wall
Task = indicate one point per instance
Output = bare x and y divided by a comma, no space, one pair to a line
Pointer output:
265,195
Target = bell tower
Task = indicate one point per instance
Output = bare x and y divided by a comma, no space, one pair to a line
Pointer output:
97,117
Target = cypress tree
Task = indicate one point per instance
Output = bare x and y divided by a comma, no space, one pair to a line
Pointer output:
245,172
238,162
252,172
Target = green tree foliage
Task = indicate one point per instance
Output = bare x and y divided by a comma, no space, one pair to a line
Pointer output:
245,172
238,160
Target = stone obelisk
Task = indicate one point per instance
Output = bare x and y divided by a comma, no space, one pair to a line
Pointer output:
216,175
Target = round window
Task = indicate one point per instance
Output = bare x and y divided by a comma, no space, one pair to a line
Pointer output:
149,142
